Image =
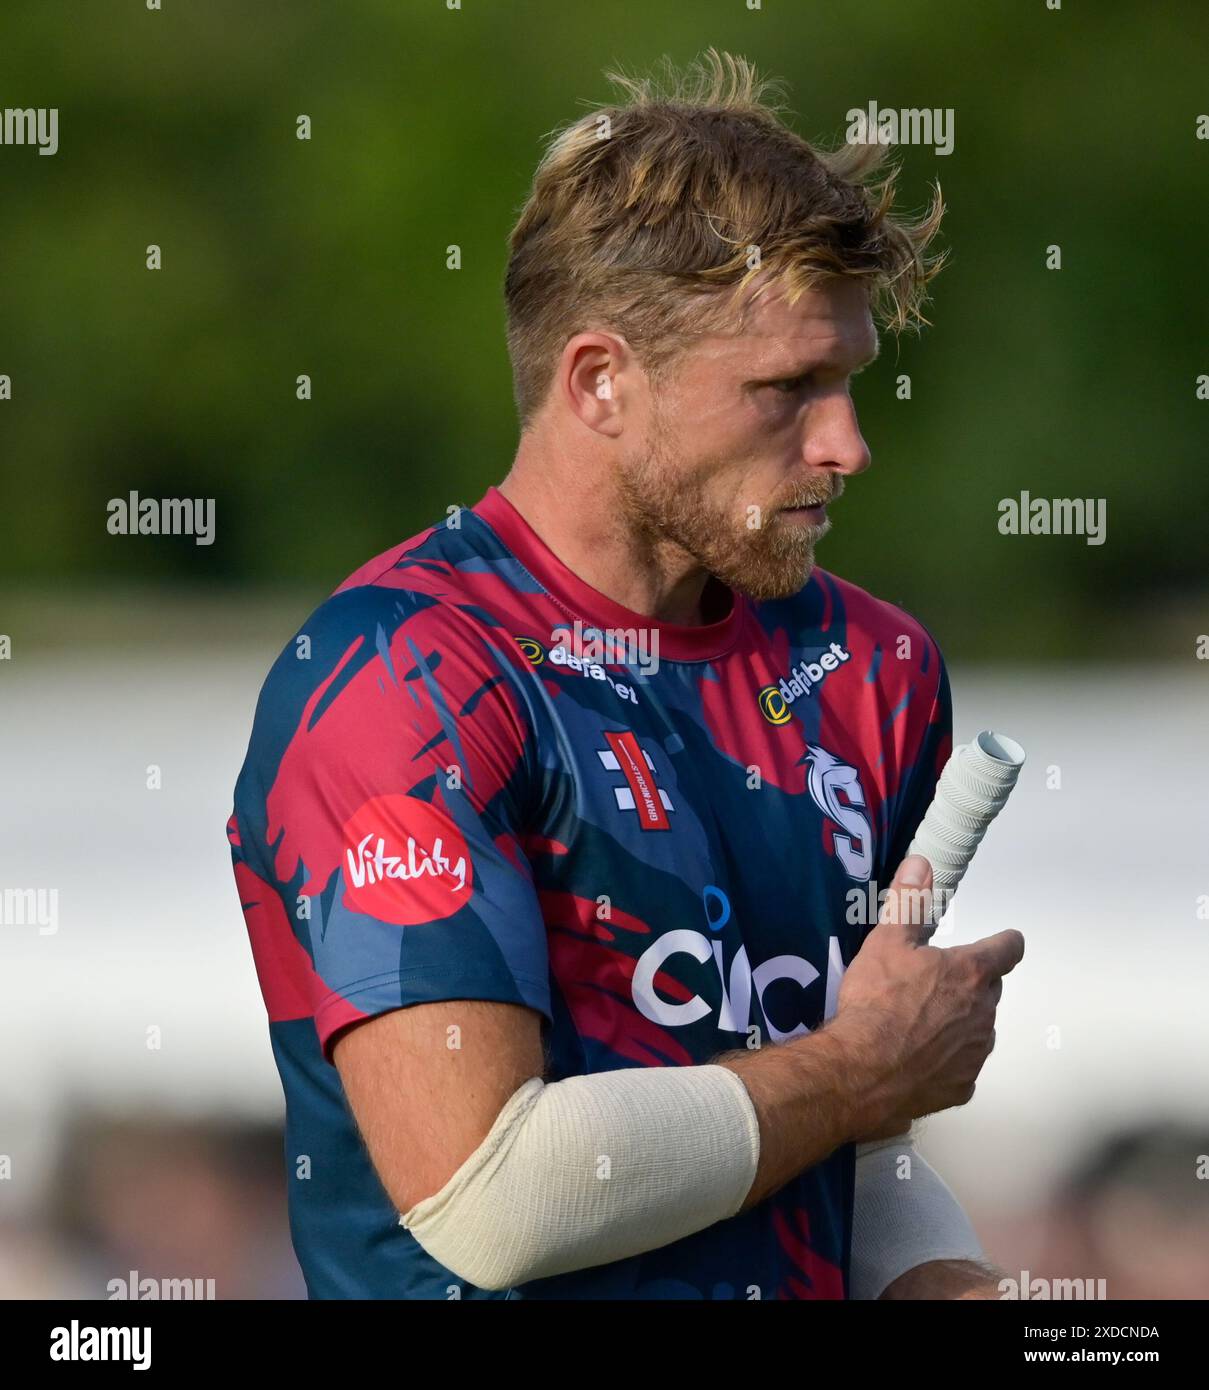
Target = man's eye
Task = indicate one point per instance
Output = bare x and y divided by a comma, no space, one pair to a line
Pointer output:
790,384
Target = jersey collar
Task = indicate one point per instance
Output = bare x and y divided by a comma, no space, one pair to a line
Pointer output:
677,641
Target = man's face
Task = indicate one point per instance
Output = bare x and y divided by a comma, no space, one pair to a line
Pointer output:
749,436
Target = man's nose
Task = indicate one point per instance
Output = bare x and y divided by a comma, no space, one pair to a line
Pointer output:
833,437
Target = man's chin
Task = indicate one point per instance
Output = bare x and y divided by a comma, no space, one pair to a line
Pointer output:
769,581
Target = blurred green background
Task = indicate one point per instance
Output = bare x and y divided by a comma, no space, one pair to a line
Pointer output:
1074,127
327,257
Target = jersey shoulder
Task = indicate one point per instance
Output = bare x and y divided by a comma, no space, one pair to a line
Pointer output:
453,584
415,642
876,621
897,657
828,604
460,560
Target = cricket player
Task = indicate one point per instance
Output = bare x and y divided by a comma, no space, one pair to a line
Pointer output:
560,821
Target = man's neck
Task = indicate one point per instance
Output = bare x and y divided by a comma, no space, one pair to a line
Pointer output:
576,509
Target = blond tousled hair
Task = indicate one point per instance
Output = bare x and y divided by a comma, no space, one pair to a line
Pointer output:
641,212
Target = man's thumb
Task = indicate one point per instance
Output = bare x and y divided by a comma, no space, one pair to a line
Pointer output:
907,902
914,872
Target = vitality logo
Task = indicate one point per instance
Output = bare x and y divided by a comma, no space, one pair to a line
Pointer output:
406,861
802,681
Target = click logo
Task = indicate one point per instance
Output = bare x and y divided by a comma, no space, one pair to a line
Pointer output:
802,681
405,861
640,793
735,991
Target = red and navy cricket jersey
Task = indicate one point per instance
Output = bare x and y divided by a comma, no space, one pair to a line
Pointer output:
666,851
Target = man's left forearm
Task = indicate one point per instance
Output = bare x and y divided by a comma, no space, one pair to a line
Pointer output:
947,1279
910,1237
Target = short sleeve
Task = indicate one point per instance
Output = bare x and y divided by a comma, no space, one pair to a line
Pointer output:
392,768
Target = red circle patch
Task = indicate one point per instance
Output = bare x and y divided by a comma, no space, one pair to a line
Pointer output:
405,861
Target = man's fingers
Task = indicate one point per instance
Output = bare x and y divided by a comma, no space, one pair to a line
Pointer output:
907,909
998,955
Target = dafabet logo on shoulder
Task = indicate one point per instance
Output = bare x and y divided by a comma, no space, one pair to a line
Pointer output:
775,700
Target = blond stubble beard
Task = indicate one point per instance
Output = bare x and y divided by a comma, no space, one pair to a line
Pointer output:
770,561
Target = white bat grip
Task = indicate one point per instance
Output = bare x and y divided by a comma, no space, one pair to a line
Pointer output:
972,790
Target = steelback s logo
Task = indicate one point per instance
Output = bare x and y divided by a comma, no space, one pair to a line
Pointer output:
836,790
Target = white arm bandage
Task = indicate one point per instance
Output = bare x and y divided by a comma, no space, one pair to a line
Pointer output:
593,1169
900,1221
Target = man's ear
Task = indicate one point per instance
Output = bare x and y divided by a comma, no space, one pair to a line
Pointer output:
594,372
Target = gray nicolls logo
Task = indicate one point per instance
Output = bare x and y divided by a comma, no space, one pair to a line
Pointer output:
641,793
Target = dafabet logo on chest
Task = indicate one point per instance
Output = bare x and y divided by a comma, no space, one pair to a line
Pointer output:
803,680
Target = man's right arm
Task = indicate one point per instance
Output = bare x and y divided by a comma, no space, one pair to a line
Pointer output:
426,1084
913,1027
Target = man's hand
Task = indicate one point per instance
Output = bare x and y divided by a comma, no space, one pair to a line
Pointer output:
947,1279
920,1021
